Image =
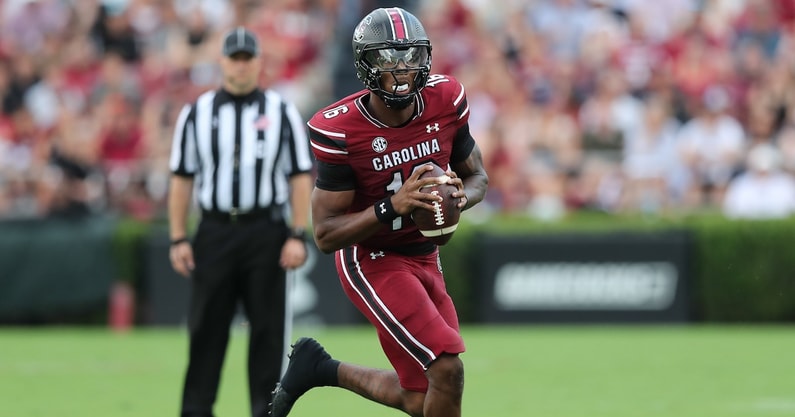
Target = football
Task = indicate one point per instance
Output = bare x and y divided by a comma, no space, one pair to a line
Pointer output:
438,225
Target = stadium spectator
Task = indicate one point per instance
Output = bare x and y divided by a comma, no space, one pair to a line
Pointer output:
606,117
759,23
764,191
113,31
711,146
652,171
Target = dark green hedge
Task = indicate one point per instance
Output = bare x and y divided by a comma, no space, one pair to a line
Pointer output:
744,271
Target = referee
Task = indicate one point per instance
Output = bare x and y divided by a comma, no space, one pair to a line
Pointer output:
245,152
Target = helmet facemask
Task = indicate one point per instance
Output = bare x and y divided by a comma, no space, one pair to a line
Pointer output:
396,61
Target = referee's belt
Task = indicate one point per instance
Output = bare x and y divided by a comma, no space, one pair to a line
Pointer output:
272,213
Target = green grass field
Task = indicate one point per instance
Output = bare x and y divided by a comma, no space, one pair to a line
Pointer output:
550,371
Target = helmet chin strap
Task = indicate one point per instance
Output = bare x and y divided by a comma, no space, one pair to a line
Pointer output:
393,100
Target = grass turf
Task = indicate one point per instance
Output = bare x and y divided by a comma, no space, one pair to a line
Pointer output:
516,371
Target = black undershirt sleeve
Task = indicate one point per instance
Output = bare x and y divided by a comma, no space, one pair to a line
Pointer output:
332,177
462,145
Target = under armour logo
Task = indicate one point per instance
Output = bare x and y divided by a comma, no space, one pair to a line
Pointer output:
379,254
382,206
432,128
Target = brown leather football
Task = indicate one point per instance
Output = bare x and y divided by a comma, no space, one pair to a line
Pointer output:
438,225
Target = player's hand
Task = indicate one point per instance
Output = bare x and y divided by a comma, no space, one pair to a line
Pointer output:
409,197
293,254
460,194
181,256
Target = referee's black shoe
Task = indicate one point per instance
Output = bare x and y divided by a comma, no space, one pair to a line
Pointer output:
310,366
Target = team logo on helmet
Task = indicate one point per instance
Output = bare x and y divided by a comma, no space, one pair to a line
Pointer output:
379,144
358,34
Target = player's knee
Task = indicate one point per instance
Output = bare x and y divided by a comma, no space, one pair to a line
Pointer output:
446,373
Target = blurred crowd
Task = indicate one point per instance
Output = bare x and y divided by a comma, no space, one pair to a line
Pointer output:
619,106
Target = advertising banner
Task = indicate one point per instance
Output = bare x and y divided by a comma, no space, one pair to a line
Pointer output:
584,277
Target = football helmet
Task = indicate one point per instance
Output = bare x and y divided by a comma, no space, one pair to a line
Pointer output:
383,40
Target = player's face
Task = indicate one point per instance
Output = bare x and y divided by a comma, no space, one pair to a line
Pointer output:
240,72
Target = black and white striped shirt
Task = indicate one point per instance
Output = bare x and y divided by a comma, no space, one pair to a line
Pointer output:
241,150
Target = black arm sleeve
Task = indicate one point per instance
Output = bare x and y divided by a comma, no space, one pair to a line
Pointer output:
331,177
462,145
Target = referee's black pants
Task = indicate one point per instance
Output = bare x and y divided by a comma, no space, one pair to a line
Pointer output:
236,261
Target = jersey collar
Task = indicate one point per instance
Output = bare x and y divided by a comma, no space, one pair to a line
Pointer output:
246,98
359,102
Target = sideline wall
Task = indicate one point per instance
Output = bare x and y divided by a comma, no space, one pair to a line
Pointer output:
704,269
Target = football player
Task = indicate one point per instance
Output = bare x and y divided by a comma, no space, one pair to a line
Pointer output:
371,148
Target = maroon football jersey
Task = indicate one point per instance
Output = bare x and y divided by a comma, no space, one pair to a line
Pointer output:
382,157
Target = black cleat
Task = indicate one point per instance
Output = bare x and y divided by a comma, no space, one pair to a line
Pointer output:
281,402
302,375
